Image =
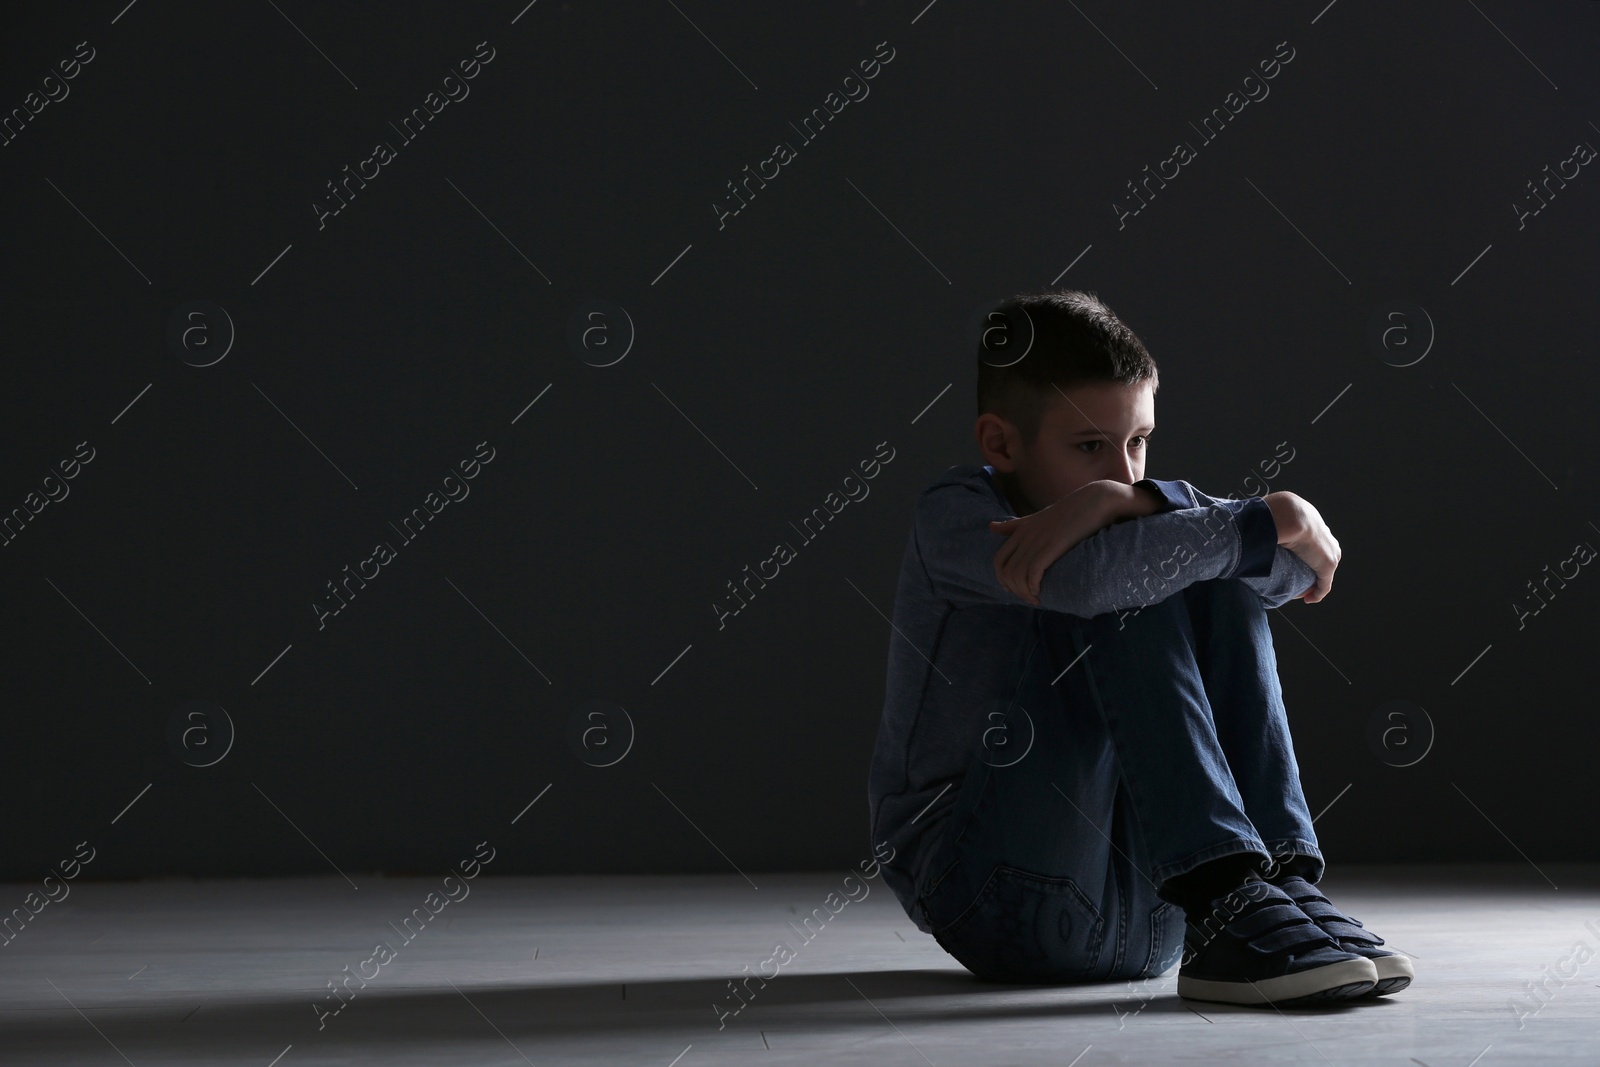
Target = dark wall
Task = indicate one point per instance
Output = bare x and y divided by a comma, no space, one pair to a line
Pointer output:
649,391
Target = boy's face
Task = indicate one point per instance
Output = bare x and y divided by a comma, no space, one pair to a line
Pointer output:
1088,433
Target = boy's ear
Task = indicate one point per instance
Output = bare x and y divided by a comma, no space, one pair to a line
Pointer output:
999,442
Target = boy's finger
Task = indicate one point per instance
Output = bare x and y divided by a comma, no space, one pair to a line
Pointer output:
1003,576
1018,573
1003,557
1019,579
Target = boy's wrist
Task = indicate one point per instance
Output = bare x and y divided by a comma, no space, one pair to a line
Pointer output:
1286,515
1125,501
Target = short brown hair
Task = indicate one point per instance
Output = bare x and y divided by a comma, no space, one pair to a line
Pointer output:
1037,341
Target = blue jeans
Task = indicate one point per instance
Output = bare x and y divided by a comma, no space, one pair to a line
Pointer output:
1166,744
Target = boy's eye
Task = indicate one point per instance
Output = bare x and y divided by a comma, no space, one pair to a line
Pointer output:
1141,439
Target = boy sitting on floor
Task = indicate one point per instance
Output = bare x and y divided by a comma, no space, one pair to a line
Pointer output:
1084,761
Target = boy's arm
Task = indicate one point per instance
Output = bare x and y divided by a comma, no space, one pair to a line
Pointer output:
1289,577
1123,565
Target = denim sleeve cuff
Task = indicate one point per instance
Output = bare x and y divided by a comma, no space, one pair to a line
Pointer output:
1258,538
1172,493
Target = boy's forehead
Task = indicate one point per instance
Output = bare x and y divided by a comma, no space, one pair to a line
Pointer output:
1100,401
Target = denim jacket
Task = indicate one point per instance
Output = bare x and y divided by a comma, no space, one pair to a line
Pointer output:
956,630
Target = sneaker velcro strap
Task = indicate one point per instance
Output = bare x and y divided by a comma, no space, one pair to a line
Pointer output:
1299,935
1346,932
1334,921
1320,908
1267,916
1313,903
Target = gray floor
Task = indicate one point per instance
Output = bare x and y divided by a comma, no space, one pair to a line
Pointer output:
571,970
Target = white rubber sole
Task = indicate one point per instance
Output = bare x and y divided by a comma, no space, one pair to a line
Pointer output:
1396,966
1336,981
1394,974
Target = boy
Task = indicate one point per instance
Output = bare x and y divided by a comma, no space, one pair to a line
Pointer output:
1084,761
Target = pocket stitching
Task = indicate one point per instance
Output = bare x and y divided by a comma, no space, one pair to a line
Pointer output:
1160,918
1096,938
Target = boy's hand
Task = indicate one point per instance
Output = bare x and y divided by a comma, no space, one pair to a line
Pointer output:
1302,531
1033,542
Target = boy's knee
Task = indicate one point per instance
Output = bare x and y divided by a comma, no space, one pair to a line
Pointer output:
1229,595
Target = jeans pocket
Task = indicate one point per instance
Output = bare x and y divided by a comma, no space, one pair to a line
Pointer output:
1026,927
1166,938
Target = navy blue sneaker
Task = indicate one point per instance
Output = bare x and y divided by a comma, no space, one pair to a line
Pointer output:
1257,947
1394,970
